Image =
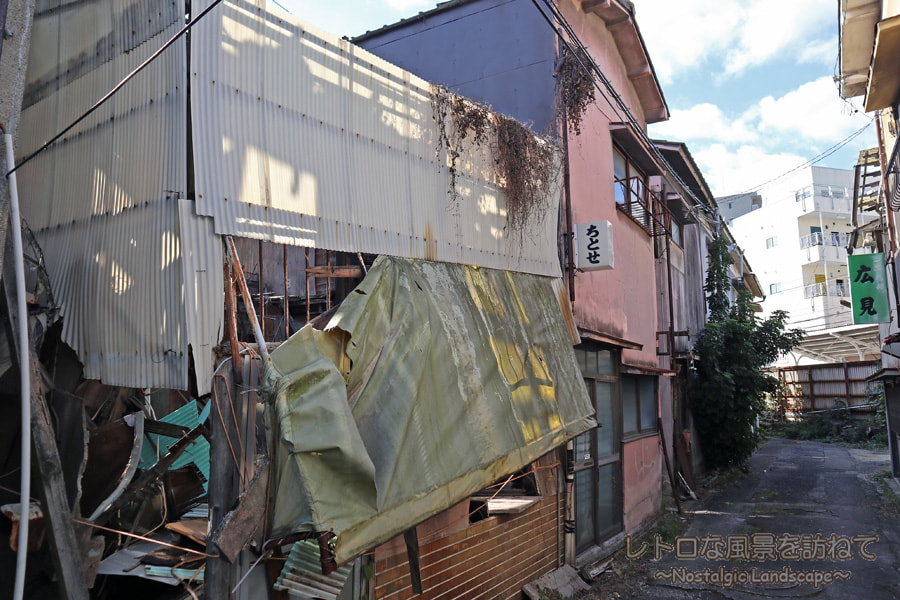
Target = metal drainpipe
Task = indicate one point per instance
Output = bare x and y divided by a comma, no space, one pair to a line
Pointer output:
671,300
15,223
567,192
569,523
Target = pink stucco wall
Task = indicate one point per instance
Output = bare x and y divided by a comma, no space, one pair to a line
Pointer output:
642,473
620,302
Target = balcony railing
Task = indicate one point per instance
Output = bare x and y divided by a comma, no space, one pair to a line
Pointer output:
832,238
831,288
643,205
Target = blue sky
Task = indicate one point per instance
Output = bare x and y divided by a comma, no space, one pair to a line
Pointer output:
749,83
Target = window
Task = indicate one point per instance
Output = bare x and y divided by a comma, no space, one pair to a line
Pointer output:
729,206
675,226
597,462
772,242
620,171
638,404
630,188
774,288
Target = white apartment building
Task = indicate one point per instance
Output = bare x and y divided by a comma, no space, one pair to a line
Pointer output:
796,239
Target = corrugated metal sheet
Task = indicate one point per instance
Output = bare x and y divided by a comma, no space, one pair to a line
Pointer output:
119,284
128,261
197,453
204,292
302,576
302,138
825,386
136,290
120,156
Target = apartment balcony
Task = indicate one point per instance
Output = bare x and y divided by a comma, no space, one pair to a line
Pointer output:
831,288
832,202
827,247
841,240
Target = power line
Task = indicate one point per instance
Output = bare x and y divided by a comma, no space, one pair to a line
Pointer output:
820,157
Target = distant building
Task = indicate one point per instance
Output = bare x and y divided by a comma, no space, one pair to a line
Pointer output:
734,206
797,239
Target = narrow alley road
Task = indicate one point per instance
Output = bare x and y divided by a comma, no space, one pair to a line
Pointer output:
812,507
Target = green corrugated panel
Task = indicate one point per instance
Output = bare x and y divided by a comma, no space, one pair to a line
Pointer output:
197,453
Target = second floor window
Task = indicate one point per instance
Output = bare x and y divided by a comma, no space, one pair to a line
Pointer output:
630,187
771,242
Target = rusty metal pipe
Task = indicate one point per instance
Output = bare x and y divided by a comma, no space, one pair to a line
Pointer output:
248,302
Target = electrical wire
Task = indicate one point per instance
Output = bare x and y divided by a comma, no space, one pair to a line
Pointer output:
816,159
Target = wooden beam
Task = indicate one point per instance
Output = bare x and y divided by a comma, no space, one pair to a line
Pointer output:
223,479
336,271
242,523
64,546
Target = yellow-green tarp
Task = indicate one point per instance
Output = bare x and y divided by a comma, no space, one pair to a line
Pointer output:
460,375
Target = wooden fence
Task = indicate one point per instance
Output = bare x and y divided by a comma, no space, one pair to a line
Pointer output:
825,386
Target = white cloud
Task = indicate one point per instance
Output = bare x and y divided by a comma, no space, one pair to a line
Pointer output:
741,33
819,51
745,168
813,111
704,122
811,115
737,153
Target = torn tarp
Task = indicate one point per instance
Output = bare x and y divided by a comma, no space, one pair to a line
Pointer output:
460,375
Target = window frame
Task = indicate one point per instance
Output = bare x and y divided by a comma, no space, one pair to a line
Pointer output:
625,187
643,429
596,463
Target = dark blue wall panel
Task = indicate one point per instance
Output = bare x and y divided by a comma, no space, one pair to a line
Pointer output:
499,52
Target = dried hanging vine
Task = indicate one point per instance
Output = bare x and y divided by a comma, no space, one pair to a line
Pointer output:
458,119
525,163
574,88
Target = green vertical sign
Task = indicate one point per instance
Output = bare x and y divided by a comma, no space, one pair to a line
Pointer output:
868,288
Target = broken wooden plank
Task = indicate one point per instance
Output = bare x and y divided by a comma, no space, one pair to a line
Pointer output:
336,271
150,475
242,523
223,476
166,429
193,529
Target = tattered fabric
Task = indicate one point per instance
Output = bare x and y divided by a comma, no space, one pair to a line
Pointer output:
460,375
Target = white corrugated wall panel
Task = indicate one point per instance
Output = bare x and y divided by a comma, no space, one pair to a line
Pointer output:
119,284
121,155
103,200
302,138
204,292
